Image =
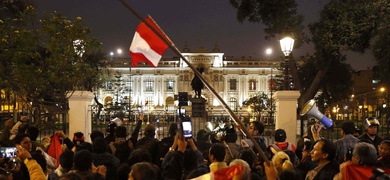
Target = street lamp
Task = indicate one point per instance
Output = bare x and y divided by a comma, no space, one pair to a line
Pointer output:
268,51
286,44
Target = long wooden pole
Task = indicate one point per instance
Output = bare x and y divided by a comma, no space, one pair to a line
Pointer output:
225,106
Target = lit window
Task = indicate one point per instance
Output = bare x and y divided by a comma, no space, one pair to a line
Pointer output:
149,85
252,85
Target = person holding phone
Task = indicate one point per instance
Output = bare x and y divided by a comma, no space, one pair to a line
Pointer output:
34,169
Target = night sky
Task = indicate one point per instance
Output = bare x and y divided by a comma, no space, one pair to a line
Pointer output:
201,23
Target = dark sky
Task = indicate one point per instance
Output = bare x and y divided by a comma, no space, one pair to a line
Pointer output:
201,23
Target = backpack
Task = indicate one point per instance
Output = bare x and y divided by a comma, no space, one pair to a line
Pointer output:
275,148
121,150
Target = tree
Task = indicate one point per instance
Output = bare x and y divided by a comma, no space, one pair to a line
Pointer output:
343,25
258,103
41,62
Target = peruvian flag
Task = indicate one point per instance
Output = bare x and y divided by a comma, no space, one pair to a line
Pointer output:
147,46
227,173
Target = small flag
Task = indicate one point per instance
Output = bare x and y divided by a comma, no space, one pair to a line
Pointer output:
146,45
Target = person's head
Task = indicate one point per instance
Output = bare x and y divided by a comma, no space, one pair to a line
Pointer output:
246,173
24,141
82,160
95,176
78,138
384,148
110,129
150,130
143,170
120,132
85,145
364,154
231,135
217,152
139,155
323,151
66,160
348,127
33,132
282,161
23,128
99,145
256,128
202,135
247,155
95,134
371,125
172,129
280,135
123,171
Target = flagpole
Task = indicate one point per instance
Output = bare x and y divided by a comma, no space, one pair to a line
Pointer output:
224,105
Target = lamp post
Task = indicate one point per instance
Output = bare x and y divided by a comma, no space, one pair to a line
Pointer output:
286,44
268,51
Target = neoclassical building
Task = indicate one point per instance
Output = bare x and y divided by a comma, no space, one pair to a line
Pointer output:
156,90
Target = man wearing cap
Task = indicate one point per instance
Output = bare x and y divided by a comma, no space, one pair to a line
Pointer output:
371,125
280,142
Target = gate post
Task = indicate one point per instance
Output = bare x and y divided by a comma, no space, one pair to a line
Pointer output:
80,118
286,113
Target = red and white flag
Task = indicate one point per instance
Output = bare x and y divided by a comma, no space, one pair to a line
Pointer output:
222,174
147,46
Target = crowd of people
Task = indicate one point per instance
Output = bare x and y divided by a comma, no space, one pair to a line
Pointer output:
116,154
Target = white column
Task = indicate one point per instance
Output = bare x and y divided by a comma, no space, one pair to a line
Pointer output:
286,113
79,115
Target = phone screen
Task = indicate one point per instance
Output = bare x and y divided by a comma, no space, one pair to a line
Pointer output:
187,129
8,152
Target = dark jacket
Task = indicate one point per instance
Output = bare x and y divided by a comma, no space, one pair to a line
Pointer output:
376,142
172,166
150,144
328,171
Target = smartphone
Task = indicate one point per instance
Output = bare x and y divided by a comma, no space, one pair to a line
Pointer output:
187,129
8,152
348,155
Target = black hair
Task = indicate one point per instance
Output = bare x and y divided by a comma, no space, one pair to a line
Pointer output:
328,148
202,135
33,132
172,129
258,126
231,135
120,132
19,138
70,176
123,171
66,159
139,155
348,127
95,134
280,135
85,145
100,145
218,150
247,155
82,160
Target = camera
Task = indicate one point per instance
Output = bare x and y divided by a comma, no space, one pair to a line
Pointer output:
187,129
8,152
348,155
